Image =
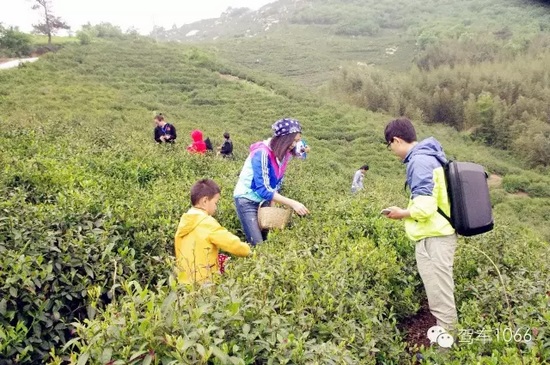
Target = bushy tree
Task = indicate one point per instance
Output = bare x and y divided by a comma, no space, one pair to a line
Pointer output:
14,43
534,142
84,37
133,32
108,30
103,30
50,23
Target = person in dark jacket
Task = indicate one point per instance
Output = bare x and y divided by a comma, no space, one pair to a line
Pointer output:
164,132
226,149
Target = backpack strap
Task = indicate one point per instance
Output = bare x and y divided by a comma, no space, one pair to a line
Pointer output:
440,211
445,166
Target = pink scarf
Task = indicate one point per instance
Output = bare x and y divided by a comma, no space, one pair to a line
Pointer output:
279,169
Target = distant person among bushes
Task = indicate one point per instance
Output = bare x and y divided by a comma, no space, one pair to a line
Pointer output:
302,149
262,175
208,144
434,236
164,132
199,237
226,149
357,183
198,145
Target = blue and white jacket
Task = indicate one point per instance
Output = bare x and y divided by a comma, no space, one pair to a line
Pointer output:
262,174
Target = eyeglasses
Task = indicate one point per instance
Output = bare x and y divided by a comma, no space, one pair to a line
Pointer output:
388,144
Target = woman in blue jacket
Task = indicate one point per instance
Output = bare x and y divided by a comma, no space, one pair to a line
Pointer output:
262,175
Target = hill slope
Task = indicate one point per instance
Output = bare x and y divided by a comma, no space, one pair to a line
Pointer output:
307,40
90,205
479,66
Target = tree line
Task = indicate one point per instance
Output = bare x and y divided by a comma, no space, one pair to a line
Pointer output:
504,103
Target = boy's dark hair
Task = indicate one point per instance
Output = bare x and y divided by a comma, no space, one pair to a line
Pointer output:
401,128
226,135
159,117
202,188
281,144
364,167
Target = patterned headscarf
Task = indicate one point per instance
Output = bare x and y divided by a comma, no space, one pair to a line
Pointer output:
286,126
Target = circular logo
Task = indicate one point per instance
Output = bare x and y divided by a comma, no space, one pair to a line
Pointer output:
437,334
445,340
435,331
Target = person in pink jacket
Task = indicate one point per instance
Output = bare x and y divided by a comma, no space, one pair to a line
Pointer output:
198,145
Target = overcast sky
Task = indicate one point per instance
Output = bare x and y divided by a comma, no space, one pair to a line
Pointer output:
142,14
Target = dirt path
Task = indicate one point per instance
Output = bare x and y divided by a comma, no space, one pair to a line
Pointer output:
16,62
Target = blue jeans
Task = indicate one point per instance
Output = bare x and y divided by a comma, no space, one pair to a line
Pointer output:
247,210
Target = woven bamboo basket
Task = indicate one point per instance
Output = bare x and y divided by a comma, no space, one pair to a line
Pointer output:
273,217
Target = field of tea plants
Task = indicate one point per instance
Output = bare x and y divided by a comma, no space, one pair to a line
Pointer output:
89,206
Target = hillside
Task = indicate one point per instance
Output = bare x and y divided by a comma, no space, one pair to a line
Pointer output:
478,66
308,40
90,206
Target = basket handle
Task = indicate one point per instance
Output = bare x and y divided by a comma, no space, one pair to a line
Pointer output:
258,213
260,206
262,202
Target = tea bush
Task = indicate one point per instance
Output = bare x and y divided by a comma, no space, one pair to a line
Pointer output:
515,183
89,207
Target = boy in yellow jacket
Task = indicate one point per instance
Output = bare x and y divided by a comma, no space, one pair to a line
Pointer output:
200,236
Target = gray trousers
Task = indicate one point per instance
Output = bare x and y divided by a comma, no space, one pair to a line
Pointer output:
435,257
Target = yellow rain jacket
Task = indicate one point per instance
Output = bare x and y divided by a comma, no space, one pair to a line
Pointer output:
426,179
197,240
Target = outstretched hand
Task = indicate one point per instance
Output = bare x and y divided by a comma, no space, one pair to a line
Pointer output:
397,213
299,208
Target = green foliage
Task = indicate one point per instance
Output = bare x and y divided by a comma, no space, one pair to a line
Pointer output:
515,183
500,104
327,321
39,40
534,141
529,183
14,43
84,37
90,206
103,30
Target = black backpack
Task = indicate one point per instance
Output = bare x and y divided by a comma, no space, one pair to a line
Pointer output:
471,211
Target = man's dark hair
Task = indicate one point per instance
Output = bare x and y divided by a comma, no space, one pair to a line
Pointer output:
401,128
202,188
159,117
226,135
364,167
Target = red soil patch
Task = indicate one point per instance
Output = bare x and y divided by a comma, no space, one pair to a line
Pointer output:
416,328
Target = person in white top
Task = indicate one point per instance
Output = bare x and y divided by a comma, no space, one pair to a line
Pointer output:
357,183
301,149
